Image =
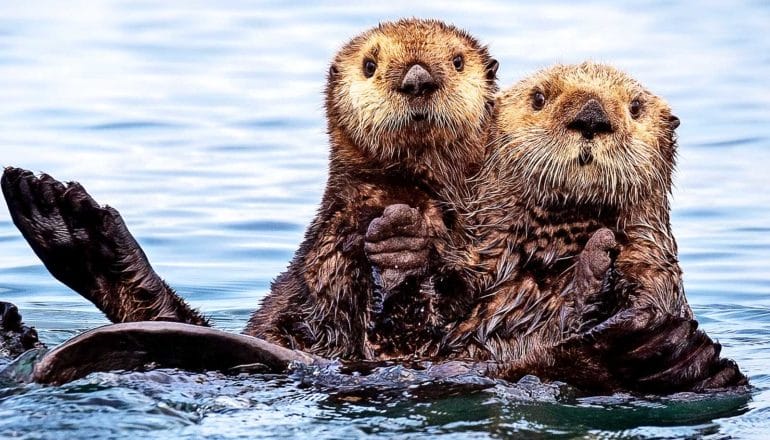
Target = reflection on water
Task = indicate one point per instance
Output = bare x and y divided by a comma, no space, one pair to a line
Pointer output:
203,124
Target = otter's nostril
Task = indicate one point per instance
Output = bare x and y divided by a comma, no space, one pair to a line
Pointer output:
417,82
590,120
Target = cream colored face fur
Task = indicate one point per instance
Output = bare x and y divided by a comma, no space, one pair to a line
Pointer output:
536,148
382,120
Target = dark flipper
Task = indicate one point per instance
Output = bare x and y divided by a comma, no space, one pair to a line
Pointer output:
88,248
160,344
635,350
15,337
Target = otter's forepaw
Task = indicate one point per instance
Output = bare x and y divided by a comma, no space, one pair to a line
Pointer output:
596,257
397,244
595,261
82,244
589,296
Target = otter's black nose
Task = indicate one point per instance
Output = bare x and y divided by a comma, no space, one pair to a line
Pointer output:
590,120
417,82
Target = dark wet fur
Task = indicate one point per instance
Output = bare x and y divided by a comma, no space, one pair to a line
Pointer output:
636,350
530,214
15,337
331,301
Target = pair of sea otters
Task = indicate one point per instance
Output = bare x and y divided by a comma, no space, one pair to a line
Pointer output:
526,229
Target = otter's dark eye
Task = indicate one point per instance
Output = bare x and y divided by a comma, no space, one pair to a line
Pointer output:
635,108
538,101
458,62
369,68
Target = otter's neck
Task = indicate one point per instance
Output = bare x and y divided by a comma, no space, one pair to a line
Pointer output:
442,169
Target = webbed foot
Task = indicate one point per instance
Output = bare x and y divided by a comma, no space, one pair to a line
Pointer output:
89,248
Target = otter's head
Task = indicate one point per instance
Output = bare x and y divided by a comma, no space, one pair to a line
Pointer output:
586,133
409,87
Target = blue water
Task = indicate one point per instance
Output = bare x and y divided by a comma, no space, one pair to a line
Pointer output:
203,124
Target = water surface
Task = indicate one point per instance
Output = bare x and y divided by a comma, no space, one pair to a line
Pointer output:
203,124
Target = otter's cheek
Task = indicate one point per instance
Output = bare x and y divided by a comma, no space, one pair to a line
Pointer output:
367,97
475,102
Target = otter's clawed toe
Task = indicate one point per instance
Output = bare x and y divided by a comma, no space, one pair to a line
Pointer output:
11,184
726,374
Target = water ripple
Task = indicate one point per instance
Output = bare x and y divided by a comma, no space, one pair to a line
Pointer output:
204,125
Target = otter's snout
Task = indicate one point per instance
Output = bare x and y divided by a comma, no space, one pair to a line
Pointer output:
417,82
590,120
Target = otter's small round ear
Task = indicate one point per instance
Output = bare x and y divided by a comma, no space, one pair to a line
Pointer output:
673,121
492,66
333,71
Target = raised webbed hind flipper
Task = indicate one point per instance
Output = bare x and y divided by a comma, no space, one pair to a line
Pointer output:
136,345
89,248
635,350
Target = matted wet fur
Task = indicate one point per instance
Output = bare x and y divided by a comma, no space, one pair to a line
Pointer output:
408,106
577,151
570,157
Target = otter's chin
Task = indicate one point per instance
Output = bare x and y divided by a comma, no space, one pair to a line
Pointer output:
420,123
585,157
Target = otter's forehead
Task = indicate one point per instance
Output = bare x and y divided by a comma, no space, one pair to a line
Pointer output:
567,84
408,40
598,78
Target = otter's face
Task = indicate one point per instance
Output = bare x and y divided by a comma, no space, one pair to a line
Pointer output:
411,85
586,133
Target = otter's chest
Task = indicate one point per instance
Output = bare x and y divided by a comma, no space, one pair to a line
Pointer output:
549,247
365,202
540,246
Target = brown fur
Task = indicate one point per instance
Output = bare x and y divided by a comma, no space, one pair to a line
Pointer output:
536,206
380,155
537,238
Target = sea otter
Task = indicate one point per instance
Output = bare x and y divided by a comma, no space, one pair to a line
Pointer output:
578,151
408,105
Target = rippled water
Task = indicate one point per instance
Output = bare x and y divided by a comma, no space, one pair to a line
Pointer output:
204,126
